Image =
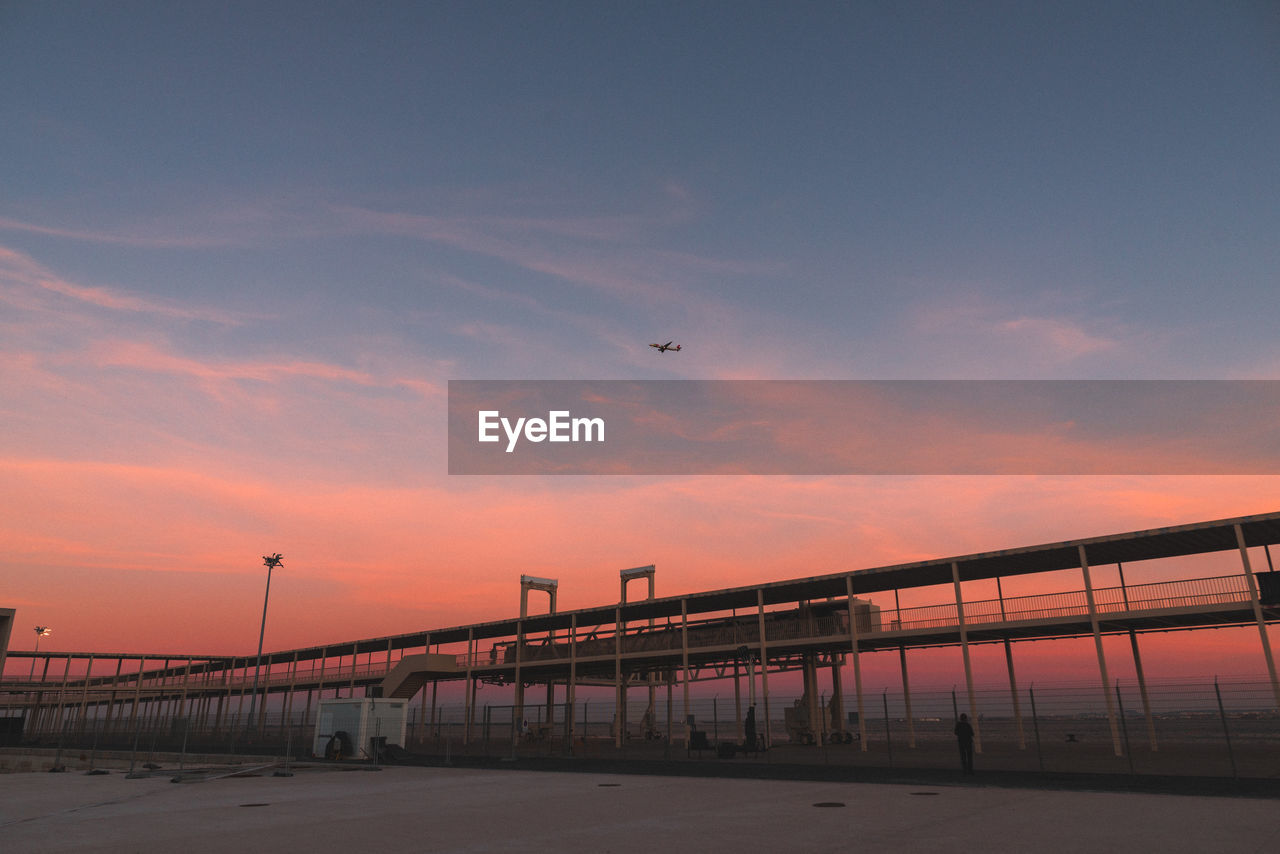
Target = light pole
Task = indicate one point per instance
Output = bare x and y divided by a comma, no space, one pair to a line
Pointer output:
271,562
41,632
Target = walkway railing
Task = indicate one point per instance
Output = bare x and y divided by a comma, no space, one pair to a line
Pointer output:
1194,592
826,621
790,626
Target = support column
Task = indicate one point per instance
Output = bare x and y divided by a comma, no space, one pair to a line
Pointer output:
906,695
433,726
737,697
1102,659
836,710
813,700
620,688
764,667
571,697
684,664
1013,682
1142,689
968,668
1013,693
266,690
1257,613
1137,664
293,681
517,712
857,663
468,695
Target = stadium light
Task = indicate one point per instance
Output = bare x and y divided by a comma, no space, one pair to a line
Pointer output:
270,562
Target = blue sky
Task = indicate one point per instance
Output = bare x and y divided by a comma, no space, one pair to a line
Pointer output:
821,175
249,243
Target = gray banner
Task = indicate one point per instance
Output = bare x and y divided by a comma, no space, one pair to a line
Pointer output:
824,427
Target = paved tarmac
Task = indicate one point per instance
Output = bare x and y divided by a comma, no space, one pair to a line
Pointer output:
418,809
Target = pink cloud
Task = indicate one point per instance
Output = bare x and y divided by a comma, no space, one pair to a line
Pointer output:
21,271
148,357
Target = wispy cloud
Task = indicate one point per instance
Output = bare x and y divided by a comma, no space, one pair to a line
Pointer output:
973,334
119,238
148,357
20,271
606,253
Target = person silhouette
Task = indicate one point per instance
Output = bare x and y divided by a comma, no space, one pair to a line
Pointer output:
749,730
964,737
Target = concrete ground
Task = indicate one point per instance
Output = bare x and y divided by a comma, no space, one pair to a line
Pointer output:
418,809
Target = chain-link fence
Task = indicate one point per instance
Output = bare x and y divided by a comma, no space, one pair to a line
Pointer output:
1200,727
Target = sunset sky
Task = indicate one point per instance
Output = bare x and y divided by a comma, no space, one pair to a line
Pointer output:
244,246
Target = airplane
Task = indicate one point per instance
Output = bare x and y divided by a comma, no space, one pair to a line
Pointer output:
662,348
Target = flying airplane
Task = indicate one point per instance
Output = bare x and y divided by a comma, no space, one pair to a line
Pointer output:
662,348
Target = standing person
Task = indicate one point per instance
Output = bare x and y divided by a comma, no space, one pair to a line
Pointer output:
749,730
964,736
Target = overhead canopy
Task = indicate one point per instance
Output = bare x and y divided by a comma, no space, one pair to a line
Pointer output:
1196,538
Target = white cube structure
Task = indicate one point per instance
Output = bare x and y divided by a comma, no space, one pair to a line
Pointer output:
363,719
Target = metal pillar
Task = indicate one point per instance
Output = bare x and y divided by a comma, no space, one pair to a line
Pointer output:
620,688
906,695
968,668
1102,659
737,697
684,664
517,712
1013,693
572,691
1013,682
293,682
1257,612
764,667
468,695
1142,688
837,696
857,663
1137,664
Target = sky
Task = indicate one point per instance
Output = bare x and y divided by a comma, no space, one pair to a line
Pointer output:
244,247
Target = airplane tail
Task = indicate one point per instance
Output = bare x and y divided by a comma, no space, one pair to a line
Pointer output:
678,347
